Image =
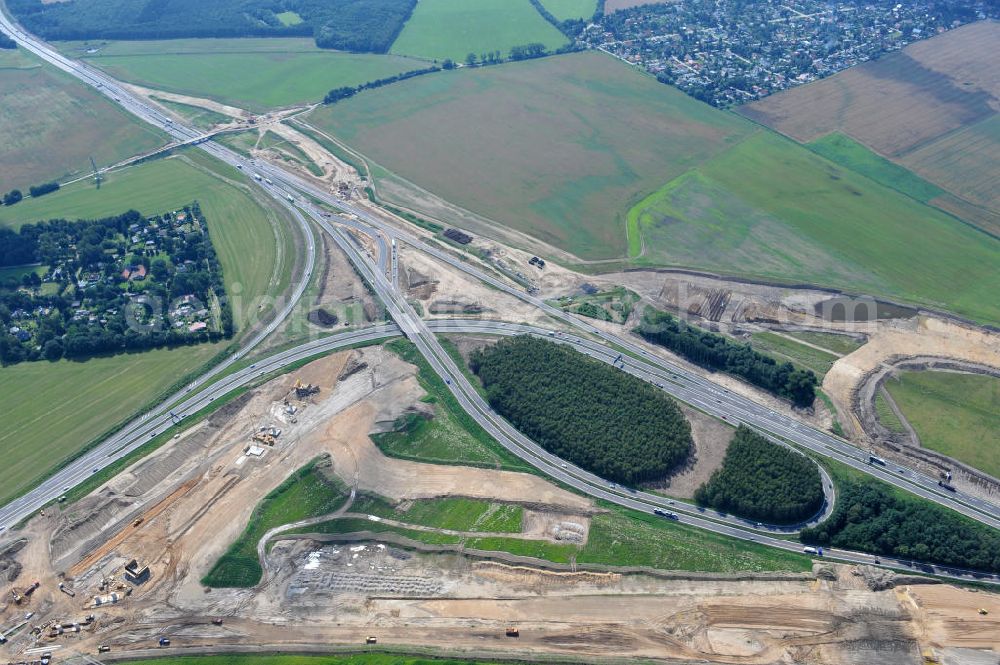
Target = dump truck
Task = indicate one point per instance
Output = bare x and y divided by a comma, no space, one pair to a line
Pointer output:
164,642
947,486
31,589
512,631
217,622
371,639
104,648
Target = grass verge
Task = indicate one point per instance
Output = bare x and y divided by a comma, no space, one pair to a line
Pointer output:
309,492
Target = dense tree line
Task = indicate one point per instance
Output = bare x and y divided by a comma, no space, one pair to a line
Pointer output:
570,27
582,410
6,42
12,197
79,248
528,51
869,518
338,94
43,189
760,480
719,353
351,25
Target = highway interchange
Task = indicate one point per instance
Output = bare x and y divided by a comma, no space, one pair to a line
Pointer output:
288,188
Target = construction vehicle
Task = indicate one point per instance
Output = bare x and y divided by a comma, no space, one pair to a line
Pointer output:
371,639
512,631
264,437
983,611
31,589
16,596
217,622
138,521
104,648
304,389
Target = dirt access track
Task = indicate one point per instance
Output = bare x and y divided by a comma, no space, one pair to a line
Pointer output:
181,507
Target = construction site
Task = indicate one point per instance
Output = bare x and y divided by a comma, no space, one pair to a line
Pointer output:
121,571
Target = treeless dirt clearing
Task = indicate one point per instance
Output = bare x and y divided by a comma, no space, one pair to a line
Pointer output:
900,101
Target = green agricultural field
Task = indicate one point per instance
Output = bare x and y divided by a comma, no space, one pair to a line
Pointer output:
309,492
558,148
800,355
565,10
454,28
850,154
770,209
50,125
955,414
238,224
53,410
255,74
964,162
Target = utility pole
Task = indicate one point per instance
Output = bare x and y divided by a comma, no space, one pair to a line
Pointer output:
97,173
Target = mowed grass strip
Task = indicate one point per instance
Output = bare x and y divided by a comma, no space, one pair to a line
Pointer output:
451,436
565,10
52,410
558,148
623,537
769,209
839,344
312,491
51,124
955,414
454,28
255,74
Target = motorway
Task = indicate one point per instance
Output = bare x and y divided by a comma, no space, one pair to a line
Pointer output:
691,388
